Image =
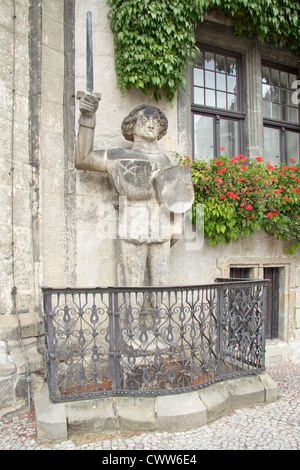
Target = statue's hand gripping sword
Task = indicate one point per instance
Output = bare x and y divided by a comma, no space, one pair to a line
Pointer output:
89,60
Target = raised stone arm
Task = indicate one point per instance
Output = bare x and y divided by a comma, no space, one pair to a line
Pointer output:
85,157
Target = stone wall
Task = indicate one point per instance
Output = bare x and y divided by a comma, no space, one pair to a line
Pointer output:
52,231
19,297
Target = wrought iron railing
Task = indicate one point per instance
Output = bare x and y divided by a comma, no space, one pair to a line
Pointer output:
152,341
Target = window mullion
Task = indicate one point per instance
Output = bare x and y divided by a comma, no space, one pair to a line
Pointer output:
217,135
282,145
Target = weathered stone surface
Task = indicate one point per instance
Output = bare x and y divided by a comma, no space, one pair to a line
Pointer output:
54,213
136,413
92,416
180,412
147,179
31,325
50,418
245,391
7,366
35,360
270,386
7,391
171,413
216,400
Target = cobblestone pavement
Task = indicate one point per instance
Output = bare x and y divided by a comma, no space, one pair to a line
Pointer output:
267,427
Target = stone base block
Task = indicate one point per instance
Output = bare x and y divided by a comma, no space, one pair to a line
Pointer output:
50,418
245,391
216,400
180,412
136,413
97,416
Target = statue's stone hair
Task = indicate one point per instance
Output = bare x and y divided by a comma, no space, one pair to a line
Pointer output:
130,120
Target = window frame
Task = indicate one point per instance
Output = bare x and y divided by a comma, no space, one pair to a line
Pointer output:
281,125
219,114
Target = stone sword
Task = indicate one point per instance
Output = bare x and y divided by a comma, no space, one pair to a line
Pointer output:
89,60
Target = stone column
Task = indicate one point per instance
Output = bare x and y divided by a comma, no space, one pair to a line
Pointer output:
253,101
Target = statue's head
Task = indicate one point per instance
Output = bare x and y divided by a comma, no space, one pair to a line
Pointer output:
145,121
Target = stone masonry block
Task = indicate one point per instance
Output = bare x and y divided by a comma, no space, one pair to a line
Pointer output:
270,386
36,362
245,391
50,417
7,367
138,413
7,392
216,400
180,412
91,415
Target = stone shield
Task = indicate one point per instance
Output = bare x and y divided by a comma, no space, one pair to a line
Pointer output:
174,188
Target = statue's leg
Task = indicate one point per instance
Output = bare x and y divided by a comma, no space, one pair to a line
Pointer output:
133,330
158,263
134,256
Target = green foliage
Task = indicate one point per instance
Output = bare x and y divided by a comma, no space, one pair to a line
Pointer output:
241,197
154,39
153,42
276,21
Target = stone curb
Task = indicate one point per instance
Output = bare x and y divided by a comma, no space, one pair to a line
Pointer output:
171,413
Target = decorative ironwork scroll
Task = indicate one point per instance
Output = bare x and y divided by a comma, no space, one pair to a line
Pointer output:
151,341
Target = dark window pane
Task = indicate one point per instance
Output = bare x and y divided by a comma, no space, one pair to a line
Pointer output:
292,145
231,66
199,96
221,100
210,79
284,79
198,77
265,75
199,61
220,63
272,145
210,99
229,136
231,84
275,77
221,81
266,92
203,137
209,61
231,102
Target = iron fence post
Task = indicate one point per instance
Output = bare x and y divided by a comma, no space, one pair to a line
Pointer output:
220,333
50,343
111,338
263,328
117,336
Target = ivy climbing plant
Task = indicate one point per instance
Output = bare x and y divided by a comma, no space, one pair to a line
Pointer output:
154,39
